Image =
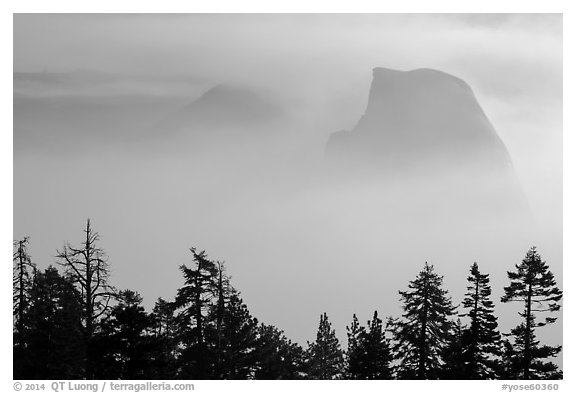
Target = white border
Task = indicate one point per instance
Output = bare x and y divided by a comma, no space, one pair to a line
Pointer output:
245,6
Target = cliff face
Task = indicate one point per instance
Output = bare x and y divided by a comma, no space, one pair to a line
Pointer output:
420,117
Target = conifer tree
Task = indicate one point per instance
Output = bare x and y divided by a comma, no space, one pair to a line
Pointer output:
277,357
193,303
424,330
376,351
238,342
123,341
453,354
223,292
533,285
55,340
481,340
354,354
165,332
324,356
368,354
510,365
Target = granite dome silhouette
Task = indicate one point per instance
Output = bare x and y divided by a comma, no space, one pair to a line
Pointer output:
420,117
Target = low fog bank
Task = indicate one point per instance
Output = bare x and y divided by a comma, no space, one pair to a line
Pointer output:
296,242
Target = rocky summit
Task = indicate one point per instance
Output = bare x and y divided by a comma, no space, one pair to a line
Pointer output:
420,117
426,128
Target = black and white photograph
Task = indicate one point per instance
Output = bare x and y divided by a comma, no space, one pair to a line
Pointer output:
287,196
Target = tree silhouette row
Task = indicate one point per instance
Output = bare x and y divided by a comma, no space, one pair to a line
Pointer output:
70,323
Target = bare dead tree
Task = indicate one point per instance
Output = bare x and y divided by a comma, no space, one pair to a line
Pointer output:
87,267
21,282
224,290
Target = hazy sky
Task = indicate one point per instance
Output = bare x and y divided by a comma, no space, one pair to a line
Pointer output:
150,205
513,62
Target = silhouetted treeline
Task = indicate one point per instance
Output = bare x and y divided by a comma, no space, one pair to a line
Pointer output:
70,323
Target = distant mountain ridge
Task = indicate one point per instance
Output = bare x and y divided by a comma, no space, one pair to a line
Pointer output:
227,105
82,77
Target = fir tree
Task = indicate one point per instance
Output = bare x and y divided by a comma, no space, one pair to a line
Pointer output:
368,354
223,292
481,340
376,351
511,361
238,342
354,354
164,331
324,356
424,330
193,304
453,354
55,341
123,342
533,284
276,356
